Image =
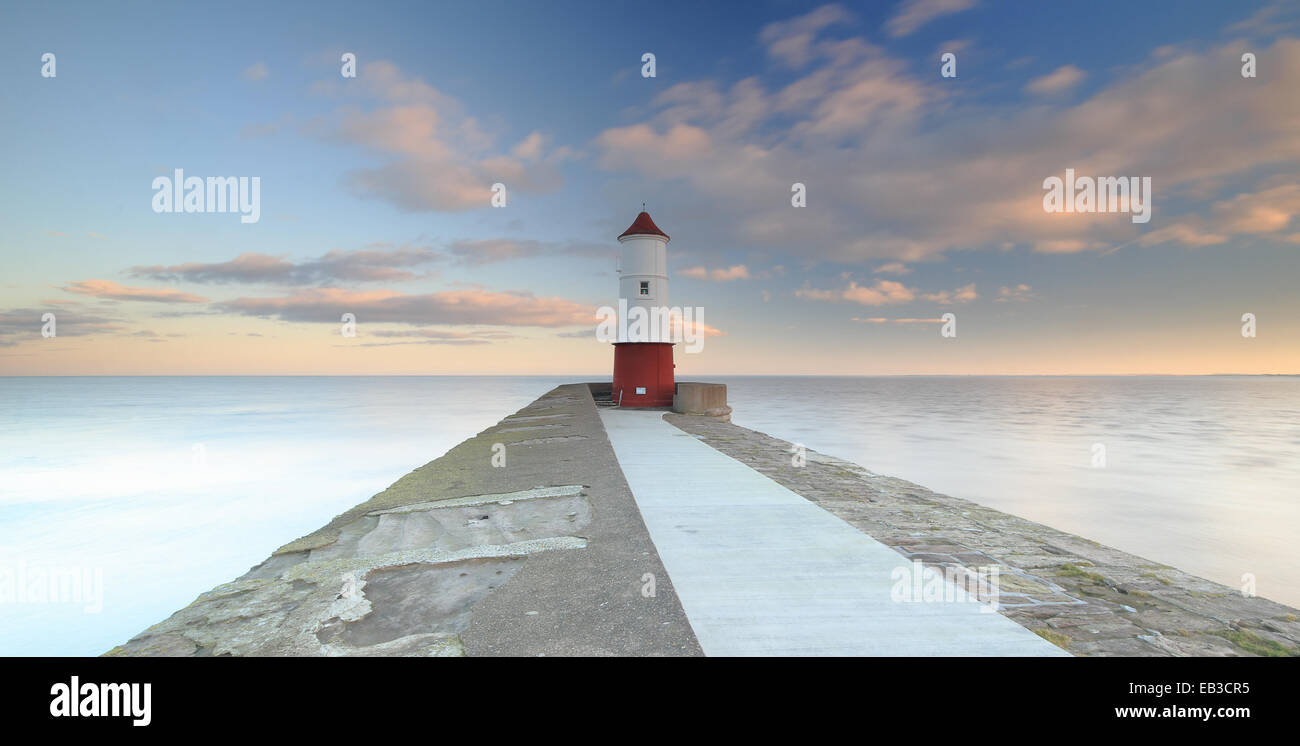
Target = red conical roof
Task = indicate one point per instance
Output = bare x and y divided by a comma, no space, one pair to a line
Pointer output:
643,226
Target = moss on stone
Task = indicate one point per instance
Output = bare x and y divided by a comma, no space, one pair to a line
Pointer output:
1253,643
1074,571
1054,637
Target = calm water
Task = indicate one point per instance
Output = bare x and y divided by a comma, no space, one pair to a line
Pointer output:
169,486
1200,473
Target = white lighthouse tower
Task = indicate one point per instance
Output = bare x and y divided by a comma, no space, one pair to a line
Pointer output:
643,370
643,265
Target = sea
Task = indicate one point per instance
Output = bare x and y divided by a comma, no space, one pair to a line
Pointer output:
138,493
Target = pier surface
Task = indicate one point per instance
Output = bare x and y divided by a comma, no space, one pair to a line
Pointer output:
527,539
762,571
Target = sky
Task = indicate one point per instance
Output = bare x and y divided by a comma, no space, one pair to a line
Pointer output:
924,193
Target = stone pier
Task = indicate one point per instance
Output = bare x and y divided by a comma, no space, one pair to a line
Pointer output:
655,533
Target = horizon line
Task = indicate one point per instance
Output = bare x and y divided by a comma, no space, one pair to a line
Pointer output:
598,378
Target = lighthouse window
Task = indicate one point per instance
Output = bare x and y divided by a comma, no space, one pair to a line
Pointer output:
645,288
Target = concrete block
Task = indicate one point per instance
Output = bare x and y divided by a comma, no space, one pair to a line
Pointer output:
709,399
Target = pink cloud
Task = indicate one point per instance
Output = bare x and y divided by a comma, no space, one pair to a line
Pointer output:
439,159
1267,211
897,168
963,294
371,264
893,268
884,292
114,291
639,146
913,14
791,41
889,292
1018,293
450,307
721,274
882,320
1059,80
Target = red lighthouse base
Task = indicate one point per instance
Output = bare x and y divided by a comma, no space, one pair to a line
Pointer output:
643,374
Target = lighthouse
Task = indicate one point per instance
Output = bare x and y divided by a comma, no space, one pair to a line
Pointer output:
643,370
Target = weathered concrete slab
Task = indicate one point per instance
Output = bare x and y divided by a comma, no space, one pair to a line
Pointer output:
762,571
542,554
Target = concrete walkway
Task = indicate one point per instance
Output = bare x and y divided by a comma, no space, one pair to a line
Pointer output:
762,571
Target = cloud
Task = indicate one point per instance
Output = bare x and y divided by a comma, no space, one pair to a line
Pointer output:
72,319
1265,213
384,80
1066,246
727,274
451,307
365,265
436,337
791,41
436,158
1059,80
113,291
1018,293
530,148
953,45
699,329
913,14
491,250
889,292
1270,19
963,294
884,292
640,147
899,169
1185,233
256,72
882,320
893,268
